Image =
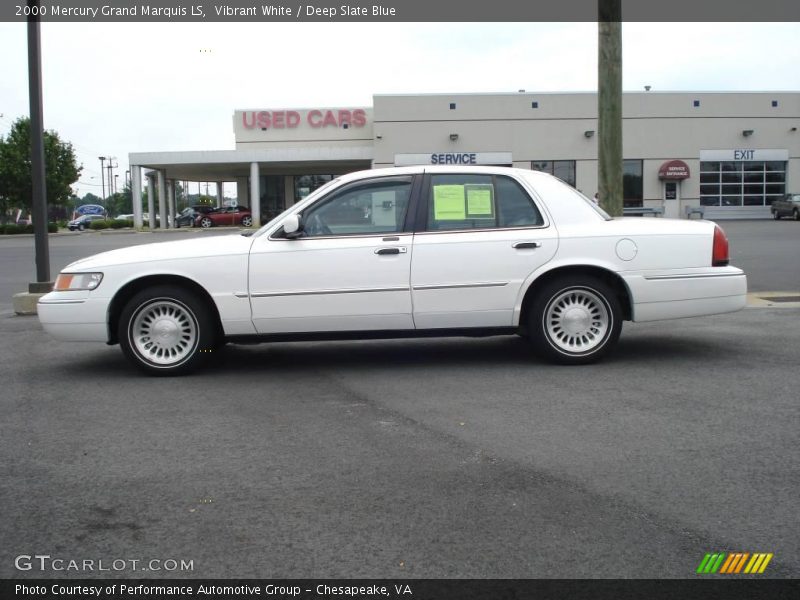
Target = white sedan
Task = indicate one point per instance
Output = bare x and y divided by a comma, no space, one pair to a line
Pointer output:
415,251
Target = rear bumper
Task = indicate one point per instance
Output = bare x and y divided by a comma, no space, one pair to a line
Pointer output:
687,293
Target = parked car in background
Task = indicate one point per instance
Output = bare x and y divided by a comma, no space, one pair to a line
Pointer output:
84,222
189,215
403,252
787,207
226,215
124,217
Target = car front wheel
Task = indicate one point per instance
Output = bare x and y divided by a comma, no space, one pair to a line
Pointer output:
575,321
247,221
775,215
81,227
167,330
205,222
796,215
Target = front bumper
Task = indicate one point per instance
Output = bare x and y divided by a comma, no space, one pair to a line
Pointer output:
74,316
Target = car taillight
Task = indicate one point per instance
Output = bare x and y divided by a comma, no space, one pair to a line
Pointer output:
719,253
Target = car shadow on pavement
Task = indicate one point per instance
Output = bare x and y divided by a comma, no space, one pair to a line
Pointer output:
502,351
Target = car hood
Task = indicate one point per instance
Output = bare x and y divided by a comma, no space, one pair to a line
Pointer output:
205,246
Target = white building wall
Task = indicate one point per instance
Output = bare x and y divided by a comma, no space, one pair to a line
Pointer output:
657,127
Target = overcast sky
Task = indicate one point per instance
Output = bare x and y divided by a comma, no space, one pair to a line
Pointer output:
111,89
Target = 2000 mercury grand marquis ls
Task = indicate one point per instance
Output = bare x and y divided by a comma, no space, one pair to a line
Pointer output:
397,253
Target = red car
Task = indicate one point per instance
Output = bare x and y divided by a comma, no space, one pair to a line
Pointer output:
227,215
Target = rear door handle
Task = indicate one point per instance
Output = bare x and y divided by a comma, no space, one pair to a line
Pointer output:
392,250
526,245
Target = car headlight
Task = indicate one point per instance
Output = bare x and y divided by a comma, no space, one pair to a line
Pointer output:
70,282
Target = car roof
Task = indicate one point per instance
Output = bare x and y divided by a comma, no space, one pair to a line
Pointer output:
443,169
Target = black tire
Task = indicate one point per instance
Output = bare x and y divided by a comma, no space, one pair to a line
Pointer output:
775,215
81,226
181,319
796,215
574,320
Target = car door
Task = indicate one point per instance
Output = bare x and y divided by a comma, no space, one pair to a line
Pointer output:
483,236
348,270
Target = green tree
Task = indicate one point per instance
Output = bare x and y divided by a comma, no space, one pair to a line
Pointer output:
16,188
120,203
90,198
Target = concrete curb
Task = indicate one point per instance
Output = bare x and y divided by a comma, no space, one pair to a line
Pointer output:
25,303
765,300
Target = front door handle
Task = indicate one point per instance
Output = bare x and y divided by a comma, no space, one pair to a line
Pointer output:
391,250
526,245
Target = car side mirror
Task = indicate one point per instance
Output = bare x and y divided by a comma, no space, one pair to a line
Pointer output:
292,226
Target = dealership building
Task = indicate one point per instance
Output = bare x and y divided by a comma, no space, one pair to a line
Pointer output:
731,153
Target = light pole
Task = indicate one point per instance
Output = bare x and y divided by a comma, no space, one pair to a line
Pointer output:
103,176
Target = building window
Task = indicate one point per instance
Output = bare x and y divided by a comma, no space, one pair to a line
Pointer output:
632,183
305,184
272,196
452,106
696,103
563,169
741,183
774,103
534,105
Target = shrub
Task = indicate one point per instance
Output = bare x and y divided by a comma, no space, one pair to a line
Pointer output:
52,227
120,223
12,229
98,225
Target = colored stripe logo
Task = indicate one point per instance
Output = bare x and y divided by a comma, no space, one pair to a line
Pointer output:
734,563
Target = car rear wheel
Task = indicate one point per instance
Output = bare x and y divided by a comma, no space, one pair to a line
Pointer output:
247,221
575,321
796,215
775,215
205,222
167,330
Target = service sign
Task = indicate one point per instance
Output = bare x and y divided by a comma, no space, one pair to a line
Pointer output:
674,169
454,158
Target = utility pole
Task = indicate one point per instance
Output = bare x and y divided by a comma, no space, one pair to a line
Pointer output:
609,106
111,166
39,200
103,177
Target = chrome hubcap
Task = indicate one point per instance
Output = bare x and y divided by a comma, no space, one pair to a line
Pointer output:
164,332
577,321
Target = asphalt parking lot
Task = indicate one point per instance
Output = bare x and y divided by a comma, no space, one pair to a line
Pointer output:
414,458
